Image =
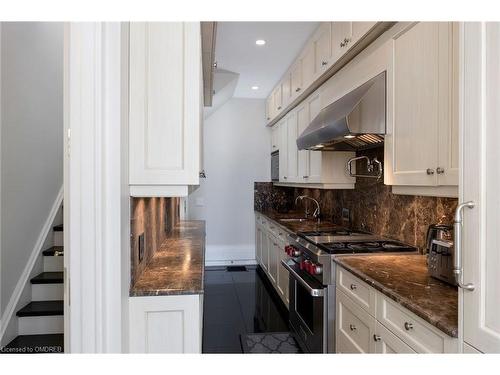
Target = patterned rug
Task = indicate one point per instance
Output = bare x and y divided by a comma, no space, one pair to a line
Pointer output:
270,343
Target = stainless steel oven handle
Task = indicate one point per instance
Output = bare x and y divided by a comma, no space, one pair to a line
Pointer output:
312,291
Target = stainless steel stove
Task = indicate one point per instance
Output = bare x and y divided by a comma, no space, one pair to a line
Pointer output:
312,279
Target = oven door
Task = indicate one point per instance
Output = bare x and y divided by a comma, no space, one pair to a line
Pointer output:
307,309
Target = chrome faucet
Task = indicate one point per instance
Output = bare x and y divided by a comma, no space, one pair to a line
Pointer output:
316,212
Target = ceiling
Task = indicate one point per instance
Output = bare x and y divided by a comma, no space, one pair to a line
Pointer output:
262,66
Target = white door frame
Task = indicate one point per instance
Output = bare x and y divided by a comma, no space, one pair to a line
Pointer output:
93,204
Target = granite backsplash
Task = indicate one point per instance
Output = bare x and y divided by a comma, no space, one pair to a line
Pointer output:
152,219
373,206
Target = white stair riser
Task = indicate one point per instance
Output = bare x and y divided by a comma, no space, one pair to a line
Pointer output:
58,238
39,325
47,292
53,264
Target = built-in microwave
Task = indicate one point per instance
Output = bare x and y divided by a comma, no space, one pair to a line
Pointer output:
275,166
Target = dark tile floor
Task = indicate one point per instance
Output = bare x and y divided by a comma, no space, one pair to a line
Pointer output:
238,302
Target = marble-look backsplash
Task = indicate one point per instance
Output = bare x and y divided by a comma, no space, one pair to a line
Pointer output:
373,206
155,218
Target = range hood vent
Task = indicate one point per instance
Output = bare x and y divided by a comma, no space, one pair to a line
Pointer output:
356,121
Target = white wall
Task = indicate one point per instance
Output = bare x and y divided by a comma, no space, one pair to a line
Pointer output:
31,139
236,153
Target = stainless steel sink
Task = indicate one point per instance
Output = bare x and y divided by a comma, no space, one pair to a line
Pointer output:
293,220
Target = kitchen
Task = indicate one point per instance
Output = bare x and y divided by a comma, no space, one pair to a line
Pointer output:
338,215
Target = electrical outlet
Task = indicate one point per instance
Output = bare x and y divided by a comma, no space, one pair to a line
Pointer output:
346,217
141,245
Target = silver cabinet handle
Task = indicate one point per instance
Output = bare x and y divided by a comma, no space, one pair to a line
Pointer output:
323,63
279,108
457,231
408,326
305,176
376,338
284,177
352,327
439,170
298,89
353,287
430,171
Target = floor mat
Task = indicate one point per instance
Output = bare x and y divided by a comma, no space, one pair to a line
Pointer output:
236,269
269,343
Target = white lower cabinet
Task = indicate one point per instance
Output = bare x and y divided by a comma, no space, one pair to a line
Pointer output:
270,250
166,324
369,322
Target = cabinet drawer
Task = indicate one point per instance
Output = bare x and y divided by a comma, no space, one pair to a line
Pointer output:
356,289
418,334
354,327
388,343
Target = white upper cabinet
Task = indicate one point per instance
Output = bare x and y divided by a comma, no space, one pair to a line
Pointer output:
164,119
341,35
323,48
292,151
275,138
423,150
303,155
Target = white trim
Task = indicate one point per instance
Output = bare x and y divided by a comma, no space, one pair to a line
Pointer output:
427,191
316,186
93,97
243,262
35,253
142,191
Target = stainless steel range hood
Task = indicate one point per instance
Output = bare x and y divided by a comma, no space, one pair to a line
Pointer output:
355,121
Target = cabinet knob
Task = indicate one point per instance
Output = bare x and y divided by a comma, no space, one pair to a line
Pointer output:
305,176
439,170
284,177
352,327
298,89
323,63
430,171
408,326
353,287
269,118
279,108
376,338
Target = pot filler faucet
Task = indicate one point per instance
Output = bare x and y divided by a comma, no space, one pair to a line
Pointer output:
316,212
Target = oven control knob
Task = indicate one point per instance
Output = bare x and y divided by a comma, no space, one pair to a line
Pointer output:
310,268
295,252
287,249
318,270
304,265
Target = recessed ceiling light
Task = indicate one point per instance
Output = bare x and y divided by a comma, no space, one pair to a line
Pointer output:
260,42
255,87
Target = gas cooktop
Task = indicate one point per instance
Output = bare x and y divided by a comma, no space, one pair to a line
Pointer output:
345,241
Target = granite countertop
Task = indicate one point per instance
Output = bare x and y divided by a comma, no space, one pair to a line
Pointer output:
177,266
295,226
405,279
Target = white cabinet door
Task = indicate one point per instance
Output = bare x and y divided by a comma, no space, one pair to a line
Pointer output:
315,157
272,269
283,276
265,250
278,99
164,122
283,155
480,181
420,98
275,138
258,242
341,33
296,79
286,90
292,151
270,107
302,112
308,65
359,29
165,324
322,40
388,343
354,327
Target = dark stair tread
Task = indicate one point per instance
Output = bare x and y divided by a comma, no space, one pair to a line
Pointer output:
58,228
42,308
48,278
54,251
51,343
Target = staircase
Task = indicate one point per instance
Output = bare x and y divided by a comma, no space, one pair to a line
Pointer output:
41,322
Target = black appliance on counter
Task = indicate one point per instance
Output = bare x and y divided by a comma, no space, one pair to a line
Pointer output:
312,280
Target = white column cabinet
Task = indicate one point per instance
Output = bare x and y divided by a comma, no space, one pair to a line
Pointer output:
423,145
165,92
480,181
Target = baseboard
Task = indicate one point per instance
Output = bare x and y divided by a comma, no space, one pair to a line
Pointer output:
230,255
25,275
